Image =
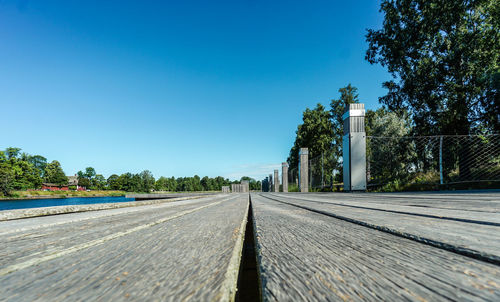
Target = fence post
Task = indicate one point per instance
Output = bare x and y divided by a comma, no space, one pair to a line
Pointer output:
441,181
276,181
270,185
322,171
354,147
310,168
304,169
284,176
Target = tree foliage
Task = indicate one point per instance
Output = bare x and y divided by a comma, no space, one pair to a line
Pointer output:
39,163
384,123
147,181
315,133
55,174
444,57
18,171
12,152
393,157
112,182
348,95
322,131
6,175
100,182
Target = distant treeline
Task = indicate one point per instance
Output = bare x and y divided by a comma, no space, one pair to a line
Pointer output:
22,171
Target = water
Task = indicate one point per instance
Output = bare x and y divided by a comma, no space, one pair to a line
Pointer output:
38,203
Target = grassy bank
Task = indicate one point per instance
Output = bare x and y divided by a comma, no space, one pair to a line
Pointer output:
61,194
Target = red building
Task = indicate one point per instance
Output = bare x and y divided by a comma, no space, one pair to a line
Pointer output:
72,181
54,187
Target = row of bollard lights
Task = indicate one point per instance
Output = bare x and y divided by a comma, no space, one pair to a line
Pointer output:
354,156
354,159
243,187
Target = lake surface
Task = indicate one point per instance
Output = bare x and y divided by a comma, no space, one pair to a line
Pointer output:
39,203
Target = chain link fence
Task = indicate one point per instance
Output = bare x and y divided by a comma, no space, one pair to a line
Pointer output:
293,180
432,160
419,162
323,172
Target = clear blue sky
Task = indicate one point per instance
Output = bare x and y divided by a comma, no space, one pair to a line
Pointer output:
176,87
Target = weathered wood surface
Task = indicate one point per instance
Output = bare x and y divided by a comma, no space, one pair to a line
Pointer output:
450,220
150,196
307,256
190,250
56,210
476,201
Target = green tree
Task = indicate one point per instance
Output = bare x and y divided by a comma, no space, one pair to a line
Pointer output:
162,184
88,179
39,163
6,175
125,182
348,95
84,182
136,184
25,175
220,181
444,57
384,123
391,154
12,152
197,183
147,181
6,180
113,182
205,183
22,173
89,173
55,174
172,184
315,133
99,182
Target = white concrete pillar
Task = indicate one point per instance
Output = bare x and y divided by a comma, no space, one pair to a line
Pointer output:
276,181
354,148
304,169
284,176
270,183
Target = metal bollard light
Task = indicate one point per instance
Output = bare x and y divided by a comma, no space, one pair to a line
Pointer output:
354,148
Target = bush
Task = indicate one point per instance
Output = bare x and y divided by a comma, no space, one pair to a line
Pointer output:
293,188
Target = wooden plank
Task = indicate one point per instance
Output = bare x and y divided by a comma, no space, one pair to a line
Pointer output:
307,256
152,196
94,211
33,238
6,215
187,251
461,200
482,240
468,208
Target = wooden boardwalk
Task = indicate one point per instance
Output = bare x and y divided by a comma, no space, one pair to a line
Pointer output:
353,247
469,224
309,247
189,250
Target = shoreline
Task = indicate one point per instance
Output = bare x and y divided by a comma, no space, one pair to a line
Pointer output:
15,214
85,194
59,196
